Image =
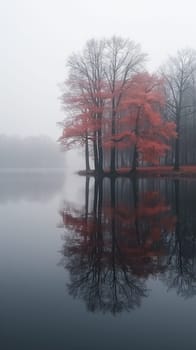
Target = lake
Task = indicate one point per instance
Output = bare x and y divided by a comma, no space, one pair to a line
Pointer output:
90,264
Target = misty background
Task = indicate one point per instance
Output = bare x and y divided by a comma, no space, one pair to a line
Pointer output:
38,36
30,152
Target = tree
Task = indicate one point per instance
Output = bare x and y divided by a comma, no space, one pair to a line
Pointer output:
141,124
83,95
179,74
95,85
78,131
109,101
123,59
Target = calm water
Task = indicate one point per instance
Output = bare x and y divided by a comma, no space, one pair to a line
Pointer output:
108,265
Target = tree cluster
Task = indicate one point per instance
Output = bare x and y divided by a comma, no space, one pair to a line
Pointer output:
123,115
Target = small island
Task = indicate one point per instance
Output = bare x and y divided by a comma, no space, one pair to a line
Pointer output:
129,121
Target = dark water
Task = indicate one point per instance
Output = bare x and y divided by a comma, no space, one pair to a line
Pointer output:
106,265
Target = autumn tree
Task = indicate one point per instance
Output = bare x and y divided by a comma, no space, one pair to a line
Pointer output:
179,73
83,97
141,124
123,58
109,102
96,83
80,130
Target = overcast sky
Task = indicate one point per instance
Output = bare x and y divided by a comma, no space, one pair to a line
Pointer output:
36,37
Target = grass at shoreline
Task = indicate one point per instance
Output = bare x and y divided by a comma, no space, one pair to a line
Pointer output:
153,171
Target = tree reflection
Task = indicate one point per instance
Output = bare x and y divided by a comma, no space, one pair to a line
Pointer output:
181,271
115,243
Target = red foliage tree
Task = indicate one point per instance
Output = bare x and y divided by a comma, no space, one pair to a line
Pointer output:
96,79
108,104
82,125
141,125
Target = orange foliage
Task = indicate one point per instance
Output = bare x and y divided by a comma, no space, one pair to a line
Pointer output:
141,122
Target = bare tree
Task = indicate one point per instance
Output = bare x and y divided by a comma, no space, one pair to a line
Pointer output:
97,79
179,74
123,58
84,85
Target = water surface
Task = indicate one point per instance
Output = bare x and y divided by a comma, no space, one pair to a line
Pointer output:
105,265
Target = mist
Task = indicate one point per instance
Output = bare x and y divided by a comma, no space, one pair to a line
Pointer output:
30,152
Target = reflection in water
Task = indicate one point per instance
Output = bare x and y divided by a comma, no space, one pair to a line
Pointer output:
181,271
128,231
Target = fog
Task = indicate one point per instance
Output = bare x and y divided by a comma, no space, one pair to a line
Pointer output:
37,37
31,186
30,152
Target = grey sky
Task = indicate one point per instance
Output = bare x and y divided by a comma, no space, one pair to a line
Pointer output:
36,37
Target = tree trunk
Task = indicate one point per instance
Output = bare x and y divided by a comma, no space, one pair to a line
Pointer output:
113,150
100,151
177,146
87,154
135,152
136,204
135,159
96,162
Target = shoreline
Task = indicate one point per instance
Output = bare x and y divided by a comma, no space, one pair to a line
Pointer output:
162,171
